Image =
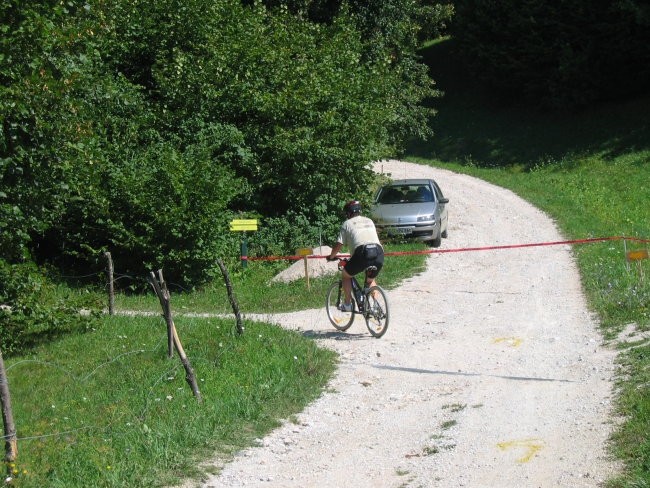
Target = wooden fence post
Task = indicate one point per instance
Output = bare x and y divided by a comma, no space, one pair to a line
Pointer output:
231,297
11,443
160,288
164,298
111,289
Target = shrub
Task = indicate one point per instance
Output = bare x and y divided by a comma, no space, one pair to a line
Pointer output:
32,309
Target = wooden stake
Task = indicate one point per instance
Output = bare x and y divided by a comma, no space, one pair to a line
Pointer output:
111,290
11,443
307,272
231,297
164,298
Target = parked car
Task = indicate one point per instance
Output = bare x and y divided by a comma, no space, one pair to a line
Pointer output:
413,208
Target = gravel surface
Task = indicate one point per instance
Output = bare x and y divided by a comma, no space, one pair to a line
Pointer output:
492,372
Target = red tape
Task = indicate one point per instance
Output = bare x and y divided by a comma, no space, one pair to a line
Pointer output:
466,249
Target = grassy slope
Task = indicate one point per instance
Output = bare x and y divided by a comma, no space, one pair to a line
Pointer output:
590,171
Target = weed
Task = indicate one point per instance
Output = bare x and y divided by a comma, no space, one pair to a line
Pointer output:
455,407
448,424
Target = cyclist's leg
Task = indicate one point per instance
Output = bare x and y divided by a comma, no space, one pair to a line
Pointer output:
347,286
377,315
355,265
377,262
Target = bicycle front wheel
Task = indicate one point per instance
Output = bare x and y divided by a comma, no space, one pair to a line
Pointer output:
340,320
376,312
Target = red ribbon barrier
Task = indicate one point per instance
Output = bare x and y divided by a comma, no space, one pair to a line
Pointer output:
467,249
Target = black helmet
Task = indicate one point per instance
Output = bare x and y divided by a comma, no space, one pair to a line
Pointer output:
351,208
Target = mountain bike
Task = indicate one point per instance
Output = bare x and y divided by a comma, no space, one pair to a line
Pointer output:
371,302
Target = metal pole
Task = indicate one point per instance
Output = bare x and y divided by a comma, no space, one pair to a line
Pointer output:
244,251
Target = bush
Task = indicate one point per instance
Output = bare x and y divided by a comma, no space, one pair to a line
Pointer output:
32,309
145,126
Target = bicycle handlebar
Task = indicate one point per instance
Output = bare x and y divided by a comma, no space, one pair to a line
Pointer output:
341,261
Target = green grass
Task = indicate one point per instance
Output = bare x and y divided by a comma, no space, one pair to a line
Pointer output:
590,171
108,408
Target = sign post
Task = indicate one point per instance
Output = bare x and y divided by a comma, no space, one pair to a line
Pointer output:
304,252
243,225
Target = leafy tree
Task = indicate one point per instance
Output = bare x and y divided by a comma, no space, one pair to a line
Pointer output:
89,163
141,127
563,54
313,108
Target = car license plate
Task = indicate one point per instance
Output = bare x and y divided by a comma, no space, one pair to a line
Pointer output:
400,230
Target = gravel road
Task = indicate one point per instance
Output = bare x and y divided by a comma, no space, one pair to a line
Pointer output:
492,372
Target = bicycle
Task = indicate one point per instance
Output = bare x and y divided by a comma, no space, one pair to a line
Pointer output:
371,302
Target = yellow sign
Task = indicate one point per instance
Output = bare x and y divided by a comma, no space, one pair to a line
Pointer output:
304,251
637,255
243,224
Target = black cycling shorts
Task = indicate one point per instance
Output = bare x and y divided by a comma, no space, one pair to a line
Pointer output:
364,256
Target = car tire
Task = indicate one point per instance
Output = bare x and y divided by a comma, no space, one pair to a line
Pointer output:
438,239
445,233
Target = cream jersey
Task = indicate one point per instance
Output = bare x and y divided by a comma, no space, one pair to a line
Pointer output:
358,231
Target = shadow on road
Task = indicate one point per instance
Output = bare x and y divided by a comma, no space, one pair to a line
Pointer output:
460,373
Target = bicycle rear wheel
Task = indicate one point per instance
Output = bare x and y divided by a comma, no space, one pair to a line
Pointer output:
376,313
339,319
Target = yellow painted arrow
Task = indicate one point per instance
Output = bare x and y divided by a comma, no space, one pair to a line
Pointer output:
511,341
531,447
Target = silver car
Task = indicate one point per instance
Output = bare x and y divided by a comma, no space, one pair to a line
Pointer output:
413,208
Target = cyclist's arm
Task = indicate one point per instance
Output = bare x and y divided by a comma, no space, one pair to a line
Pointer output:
335,250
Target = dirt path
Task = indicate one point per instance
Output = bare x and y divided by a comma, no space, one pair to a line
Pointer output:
492,373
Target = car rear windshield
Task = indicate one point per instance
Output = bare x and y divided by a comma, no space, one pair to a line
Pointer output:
405,194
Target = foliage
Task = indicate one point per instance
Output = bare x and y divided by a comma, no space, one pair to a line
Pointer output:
277,235
388,23
312,110
33,310
142,127
476,127
560,54
162,208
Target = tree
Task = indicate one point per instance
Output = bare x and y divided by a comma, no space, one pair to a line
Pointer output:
564,54
141,127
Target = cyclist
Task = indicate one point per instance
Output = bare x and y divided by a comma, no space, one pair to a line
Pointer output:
358,233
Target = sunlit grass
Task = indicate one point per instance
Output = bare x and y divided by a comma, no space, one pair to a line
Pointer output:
108,408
